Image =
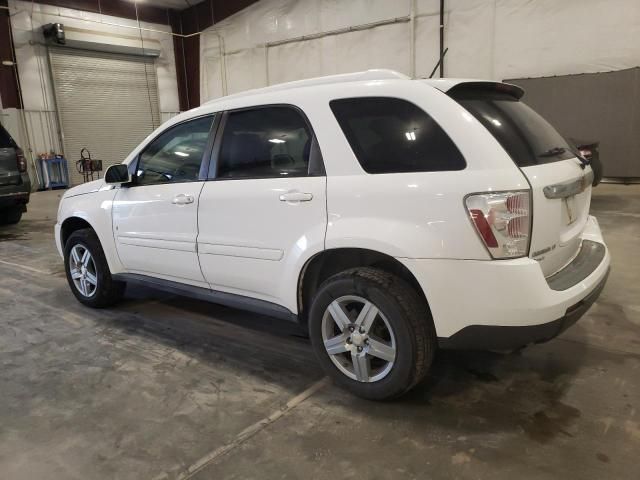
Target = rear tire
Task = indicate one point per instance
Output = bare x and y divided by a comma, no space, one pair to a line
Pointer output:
385,342
88,272
10,216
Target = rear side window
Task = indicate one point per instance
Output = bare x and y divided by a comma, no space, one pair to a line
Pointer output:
389,135
5,139
265,142
527,137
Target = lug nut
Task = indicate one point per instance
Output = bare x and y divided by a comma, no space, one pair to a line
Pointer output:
361,330
351,328
359,349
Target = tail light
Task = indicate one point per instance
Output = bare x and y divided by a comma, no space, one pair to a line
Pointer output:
22,162
503,221
585,152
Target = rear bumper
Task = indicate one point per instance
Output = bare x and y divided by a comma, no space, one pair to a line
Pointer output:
491,337
507,304
17,198
16,195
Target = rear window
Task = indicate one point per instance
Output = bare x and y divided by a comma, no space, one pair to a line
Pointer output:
389,135
5,139
527,137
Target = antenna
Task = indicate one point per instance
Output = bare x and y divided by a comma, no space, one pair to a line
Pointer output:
439,62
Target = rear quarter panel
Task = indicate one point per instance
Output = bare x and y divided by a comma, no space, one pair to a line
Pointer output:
410,215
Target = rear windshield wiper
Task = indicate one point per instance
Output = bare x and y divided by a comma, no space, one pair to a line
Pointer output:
553,152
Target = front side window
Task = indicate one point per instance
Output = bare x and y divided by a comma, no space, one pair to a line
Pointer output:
265,142
176,155
389,135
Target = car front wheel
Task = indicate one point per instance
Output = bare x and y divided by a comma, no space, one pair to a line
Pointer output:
87,271
372,333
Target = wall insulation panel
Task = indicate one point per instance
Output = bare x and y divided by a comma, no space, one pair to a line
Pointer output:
594,106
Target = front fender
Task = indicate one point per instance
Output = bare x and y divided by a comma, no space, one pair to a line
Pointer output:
96,209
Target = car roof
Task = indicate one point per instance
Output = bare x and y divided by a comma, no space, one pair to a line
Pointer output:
443,84
331,83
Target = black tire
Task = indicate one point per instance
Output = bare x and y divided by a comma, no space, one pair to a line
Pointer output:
107,291
10,216
404,310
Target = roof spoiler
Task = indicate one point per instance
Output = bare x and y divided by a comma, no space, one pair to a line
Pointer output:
465,88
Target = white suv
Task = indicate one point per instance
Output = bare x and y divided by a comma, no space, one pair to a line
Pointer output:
386,215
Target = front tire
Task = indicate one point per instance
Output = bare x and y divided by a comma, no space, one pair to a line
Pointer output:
88,272
372,333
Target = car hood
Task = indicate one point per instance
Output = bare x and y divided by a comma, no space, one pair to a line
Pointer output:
85,188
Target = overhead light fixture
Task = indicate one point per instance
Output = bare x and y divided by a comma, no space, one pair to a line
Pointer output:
276,140
410,135
182,154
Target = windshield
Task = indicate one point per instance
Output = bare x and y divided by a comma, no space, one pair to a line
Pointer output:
527,137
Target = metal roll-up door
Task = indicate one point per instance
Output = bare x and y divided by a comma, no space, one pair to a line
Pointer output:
107,102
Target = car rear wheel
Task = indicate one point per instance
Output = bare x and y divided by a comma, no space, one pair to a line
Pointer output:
10,216
87,271
372,333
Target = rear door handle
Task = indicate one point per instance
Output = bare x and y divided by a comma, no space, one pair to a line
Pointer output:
182,199
296,197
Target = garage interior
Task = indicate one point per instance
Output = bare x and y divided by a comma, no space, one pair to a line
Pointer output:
165,387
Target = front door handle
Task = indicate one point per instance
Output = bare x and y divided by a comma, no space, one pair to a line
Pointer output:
182,199
296,197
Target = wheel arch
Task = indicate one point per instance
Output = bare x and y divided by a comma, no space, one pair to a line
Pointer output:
332,261
70,225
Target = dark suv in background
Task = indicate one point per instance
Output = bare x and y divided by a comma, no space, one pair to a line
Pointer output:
15,185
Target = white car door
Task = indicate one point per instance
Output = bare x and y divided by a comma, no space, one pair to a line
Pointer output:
155,219
264,212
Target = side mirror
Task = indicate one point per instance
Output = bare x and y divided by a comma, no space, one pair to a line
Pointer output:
117,174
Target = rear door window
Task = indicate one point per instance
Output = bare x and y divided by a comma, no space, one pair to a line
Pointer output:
390,135
265,142
526,136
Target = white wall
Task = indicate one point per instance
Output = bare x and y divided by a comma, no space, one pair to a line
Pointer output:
494,39
37,127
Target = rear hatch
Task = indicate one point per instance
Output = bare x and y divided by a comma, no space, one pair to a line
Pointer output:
9,174
559,179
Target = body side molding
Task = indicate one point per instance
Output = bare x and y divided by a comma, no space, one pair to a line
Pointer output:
223,298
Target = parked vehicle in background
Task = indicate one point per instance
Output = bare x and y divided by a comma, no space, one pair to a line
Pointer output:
388,216
15,185
591,151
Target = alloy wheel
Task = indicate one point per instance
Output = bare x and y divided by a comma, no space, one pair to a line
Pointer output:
358,339
83,270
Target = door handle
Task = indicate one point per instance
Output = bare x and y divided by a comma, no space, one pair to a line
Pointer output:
296,197
182,199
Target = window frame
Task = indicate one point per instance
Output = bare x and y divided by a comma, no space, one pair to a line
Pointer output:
204,161
315,167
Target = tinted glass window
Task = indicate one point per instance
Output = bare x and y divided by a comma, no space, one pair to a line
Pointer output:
176,155
527,137
389,135
5,139
265,142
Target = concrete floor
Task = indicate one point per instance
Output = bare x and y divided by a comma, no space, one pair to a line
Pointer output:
165,387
